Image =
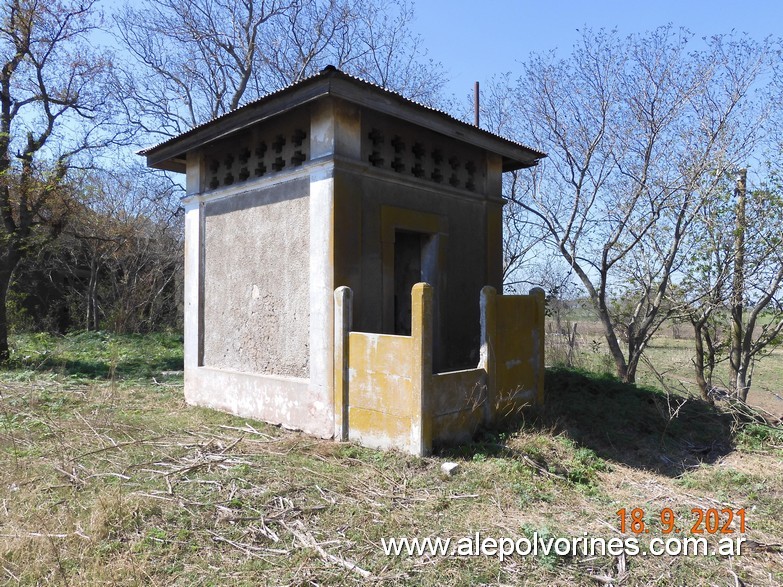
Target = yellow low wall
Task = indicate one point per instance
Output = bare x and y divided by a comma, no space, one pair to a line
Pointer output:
458,398
382,380
381,391
513,349
386,395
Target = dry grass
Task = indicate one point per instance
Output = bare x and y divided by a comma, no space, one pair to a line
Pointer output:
120,483
668,357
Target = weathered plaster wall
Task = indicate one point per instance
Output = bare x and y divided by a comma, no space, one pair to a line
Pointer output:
382,401
256,285
519,349
457,405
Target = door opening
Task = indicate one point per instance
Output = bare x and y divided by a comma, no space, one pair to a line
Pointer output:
407,272
415,260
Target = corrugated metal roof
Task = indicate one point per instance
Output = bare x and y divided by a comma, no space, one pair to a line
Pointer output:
266,96
331,71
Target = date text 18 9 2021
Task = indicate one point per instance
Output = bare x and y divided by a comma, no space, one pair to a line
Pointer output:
703,521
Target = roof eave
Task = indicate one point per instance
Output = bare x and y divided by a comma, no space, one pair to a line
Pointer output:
163,156
170,155
514,164
396,105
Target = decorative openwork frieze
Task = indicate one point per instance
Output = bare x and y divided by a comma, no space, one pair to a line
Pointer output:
256,157
419,156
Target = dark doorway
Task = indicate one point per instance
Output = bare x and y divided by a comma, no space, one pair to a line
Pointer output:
407,272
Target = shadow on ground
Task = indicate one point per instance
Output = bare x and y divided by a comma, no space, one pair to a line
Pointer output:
637,426
98,355
100,368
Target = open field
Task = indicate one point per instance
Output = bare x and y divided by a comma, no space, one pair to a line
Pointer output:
669,362
108,478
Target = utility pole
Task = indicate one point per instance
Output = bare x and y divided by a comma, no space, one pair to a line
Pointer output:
476,104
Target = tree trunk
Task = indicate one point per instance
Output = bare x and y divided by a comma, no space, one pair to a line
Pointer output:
611,339
614,348
9,263
92,302
634,354
738,289
5,281
633,365
742,384
703,377
745,372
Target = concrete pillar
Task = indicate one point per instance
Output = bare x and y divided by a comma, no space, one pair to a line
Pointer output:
494,228
335,130
487,361
343,317
494,222
193,268
421,402
321,337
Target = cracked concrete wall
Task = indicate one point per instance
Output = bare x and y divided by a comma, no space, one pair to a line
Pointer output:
256,281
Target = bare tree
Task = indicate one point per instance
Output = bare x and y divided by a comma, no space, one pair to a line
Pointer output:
638,131
386,51
197,59
701,294
55,110
192,60
733,291
121,252
524,260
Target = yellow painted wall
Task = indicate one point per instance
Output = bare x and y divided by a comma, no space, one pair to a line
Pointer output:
457,404
380,388
519,361
385,387
382,362
385,377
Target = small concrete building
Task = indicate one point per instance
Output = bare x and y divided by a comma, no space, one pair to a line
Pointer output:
334,182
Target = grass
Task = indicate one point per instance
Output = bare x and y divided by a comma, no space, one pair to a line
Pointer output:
107,477
668,364
96,355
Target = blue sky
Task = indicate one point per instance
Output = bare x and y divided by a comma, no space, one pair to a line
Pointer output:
477,39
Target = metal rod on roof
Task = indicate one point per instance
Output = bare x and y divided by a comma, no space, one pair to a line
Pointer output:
476,104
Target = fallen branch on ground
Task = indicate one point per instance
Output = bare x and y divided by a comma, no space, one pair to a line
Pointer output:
307,540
